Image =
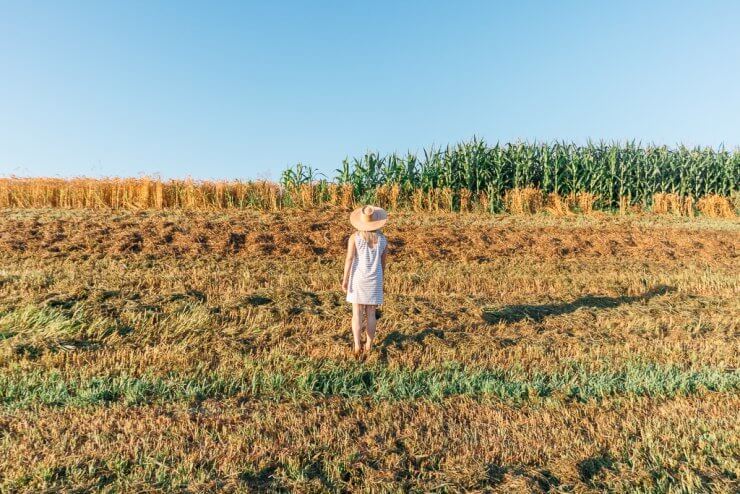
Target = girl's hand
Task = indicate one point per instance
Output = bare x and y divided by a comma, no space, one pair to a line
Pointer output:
344,286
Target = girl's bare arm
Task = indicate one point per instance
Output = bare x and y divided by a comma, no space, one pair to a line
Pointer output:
348,261
383,258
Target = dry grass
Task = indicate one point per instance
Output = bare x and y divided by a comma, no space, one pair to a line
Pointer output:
524,201
715,206
711,206
206,350
142,193
677,205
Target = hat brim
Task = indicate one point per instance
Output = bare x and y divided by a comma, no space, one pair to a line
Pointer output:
380,217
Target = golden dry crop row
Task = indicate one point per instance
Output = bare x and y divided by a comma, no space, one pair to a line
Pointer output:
152,193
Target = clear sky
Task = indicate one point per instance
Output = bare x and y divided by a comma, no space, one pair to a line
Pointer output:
242,89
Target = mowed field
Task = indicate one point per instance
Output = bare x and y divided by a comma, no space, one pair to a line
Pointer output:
209,351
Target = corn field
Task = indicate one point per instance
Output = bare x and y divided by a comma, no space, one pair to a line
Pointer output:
610,172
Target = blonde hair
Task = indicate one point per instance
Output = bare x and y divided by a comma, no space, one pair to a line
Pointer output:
371,237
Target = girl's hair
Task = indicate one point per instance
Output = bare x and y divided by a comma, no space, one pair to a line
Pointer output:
370,237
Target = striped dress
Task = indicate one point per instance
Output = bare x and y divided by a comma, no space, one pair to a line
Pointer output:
366,276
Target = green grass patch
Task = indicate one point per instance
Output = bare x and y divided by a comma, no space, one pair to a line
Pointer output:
310,378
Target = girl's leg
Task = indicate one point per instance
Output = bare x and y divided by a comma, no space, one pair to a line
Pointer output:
371,323
357,325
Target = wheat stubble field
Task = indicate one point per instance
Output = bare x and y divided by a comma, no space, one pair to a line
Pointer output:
202,351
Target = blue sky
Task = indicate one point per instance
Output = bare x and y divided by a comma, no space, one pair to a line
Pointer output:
244,89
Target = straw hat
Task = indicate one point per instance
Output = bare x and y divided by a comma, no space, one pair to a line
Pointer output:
368,218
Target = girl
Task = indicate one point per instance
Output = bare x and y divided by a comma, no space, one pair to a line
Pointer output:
363,271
